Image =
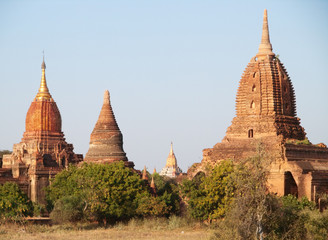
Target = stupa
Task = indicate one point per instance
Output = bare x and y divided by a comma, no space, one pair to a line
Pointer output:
43,151
106,140
266,113
171,168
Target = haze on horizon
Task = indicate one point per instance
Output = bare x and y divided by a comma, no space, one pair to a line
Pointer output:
172,68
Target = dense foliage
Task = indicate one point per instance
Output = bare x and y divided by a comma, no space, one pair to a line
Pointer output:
106,193
14,204
209,197
257,214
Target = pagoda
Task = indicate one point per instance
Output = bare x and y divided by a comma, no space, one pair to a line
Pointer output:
266,114
106,140
171,168
43,151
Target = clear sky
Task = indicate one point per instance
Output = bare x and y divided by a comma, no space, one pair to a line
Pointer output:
172,67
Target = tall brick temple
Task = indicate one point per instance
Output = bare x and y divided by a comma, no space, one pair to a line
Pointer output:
266,112
43,151
106,140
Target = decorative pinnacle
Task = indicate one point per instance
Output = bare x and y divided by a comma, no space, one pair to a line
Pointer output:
152,184
43,93
106,97
265,47
144,174
43,65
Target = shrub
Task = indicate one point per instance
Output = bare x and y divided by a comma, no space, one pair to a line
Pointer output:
209,197
14,204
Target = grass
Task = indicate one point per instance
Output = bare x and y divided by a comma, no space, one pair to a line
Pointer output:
157,228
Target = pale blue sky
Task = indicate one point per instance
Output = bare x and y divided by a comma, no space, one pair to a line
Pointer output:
172,67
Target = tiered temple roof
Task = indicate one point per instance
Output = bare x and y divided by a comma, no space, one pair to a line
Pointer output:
43,151
266,114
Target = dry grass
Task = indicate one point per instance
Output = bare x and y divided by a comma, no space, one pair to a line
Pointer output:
135,229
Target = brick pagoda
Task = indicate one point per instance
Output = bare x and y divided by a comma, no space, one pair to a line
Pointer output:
43,151
106,140
266,112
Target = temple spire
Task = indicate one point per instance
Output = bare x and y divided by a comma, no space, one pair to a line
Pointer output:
265,47
43,93
171,150
171,160
144,174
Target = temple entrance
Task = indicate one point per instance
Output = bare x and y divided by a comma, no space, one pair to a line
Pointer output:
290,185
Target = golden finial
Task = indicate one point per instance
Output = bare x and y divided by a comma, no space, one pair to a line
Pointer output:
171,160
43,93
265,47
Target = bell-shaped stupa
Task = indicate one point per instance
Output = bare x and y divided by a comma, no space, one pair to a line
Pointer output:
43,151
106,140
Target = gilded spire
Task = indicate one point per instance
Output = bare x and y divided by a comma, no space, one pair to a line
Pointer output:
43,93
265,47
171,160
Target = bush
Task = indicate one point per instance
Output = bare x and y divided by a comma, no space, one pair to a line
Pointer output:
68,209
108,193
209,197
14,204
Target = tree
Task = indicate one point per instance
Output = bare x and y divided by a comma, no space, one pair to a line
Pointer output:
108,193
14,204
209,197
105,192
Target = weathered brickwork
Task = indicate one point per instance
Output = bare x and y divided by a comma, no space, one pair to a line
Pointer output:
43,151
106,140
266,113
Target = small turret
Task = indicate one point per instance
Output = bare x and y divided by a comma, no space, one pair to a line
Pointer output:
153,186
144,174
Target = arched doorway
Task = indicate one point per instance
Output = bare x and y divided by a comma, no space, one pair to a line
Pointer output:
290,185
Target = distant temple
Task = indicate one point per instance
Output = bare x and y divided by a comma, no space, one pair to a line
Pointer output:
43,151
266,112
171,168
106,140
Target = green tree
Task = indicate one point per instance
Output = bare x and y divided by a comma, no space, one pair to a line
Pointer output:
14,204
209,197
106,192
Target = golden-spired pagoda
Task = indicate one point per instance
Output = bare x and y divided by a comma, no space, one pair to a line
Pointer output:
106,140
171,168
266,113
43,151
